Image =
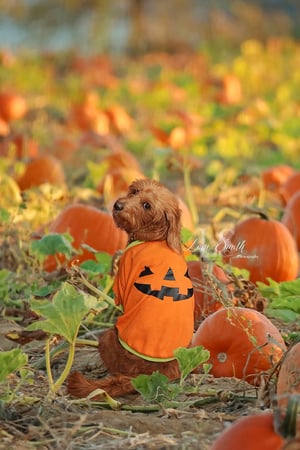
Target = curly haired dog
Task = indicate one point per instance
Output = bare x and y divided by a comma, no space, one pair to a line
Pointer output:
154,289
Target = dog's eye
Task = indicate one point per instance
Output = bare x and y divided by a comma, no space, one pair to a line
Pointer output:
134,191
146,205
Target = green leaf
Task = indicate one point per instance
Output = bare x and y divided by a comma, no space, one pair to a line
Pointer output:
269,290
101,265
64,313
53,243
44,291
190,358
186,235
290,287
284,297
152,387
283,314
11,361
4,215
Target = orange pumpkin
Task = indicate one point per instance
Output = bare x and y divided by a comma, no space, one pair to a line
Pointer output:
4,128
231,92
116,181
243,343
186,216
206,301
12,106
290,187
87,225
121,158
39,170
289,374
275,176
119,119
291,217
249,433
88,116
265,247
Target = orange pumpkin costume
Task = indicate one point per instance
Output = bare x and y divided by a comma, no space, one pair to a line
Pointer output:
156,293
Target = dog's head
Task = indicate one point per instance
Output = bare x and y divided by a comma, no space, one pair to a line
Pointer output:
149,212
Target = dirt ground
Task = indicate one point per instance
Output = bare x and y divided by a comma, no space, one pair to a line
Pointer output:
35,420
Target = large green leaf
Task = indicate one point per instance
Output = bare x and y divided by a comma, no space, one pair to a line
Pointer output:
64,313
11,361
53,243
190,358
284,298
154,387
283,314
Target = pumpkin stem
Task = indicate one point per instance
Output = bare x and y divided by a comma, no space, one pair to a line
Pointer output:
288,427
257,211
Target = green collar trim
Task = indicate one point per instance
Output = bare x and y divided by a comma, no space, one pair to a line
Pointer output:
147,358
133,243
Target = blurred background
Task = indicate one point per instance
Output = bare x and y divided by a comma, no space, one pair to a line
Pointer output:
118,26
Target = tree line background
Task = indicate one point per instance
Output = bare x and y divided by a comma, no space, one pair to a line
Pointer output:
135,26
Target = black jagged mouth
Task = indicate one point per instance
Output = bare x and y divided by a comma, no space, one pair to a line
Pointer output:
164,291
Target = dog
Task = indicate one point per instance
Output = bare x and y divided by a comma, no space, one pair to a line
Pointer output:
153,287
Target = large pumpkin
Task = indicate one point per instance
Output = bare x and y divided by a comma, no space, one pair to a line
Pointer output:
40,170
291,217
90,226
249,433
288,382
265,247
202,276
243,343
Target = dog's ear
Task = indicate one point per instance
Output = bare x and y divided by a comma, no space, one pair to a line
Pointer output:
174,230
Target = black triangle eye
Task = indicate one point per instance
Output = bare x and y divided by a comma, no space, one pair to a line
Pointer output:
187,275
170,275
146,271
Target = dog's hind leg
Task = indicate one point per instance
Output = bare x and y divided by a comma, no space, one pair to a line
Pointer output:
115,385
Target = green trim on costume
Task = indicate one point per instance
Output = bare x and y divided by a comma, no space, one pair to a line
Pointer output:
133,243
147,358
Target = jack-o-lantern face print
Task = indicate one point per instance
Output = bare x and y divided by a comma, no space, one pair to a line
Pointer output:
168,285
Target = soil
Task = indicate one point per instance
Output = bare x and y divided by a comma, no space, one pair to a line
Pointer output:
33,419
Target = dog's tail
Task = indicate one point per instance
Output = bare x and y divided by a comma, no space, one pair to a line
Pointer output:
116,386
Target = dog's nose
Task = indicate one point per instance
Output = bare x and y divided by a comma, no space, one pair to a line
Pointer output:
118,206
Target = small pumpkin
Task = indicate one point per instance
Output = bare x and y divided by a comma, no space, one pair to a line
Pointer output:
263,246
86,115
206,301
288,381
117,180
40,170
231,90
242,342
251,432
290,187
274,177
120,120
4,129
291,217
90,226
122,158
12,106
186,216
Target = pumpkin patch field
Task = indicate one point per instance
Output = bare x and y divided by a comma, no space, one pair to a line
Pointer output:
220,130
